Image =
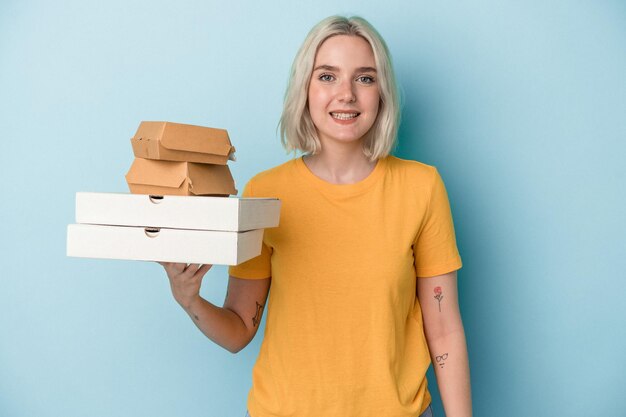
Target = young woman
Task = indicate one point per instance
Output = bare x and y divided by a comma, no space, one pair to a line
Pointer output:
363,264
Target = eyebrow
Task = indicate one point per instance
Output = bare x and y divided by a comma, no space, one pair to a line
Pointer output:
335,69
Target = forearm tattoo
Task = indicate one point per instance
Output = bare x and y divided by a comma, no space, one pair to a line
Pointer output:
438,296
259,312
441,360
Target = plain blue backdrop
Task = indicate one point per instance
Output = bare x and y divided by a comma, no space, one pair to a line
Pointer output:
520,105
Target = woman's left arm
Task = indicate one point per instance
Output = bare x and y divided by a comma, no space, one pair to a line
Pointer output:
446,341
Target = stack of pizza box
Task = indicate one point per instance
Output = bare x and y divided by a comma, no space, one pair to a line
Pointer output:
179,208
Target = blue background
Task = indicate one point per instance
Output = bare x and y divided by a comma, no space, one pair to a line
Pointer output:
521,106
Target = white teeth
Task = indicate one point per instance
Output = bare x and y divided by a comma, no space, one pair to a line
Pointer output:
344,116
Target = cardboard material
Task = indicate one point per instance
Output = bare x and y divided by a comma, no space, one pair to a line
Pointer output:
180,212
169,141
148,176
165,245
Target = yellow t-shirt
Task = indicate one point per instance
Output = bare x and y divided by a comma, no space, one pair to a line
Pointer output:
344,334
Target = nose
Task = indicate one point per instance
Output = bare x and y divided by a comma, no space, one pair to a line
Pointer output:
346,92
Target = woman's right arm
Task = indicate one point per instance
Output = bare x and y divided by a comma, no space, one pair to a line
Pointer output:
232,326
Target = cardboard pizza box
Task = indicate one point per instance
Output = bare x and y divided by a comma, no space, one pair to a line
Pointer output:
162,244
182,212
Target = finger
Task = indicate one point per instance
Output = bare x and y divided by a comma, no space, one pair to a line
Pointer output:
167,266
173,268
178,267
190,270
202,270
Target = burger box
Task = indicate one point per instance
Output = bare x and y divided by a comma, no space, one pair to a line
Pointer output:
181,142
147,176
177,212
213,230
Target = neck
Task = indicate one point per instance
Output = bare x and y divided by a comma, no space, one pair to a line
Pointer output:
340,166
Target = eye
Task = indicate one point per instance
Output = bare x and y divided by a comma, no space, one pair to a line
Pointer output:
365,79
326,77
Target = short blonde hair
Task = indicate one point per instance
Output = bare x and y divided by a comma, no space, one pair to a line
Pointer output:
297,130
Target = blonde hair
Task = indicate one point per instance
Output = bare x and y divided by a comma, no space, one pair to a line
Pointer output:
297,130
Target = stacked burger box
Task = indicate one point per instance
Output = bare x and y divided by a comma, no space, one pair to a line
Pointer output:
179,209
179,159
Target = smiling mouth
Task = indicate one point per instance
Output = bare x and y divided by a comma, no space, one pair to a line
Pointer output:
344,116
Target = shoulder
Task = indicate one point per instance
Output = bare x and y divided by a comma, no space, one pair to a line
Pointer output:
414,171
272,175
273,178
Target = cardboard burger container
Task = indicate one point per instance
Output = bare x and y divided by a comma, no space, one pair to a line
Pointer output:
169,141
147,176
170,228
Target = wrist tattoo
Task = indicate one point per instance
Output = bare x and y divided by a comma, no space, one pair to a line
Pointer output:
441,360
438,296
259,312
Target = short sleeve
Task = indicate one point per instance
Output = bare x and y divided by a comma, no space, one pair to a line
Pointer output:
255,268
434,249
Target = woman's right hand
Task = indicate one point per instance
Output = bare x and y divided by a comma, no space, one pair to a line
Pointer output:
185,281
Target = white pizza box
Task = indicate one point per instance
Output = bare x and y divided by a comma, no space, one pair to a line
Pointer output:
163,244
179,212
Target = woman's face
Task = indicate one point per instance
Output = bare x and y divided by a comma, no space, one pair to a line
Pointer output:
343,93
